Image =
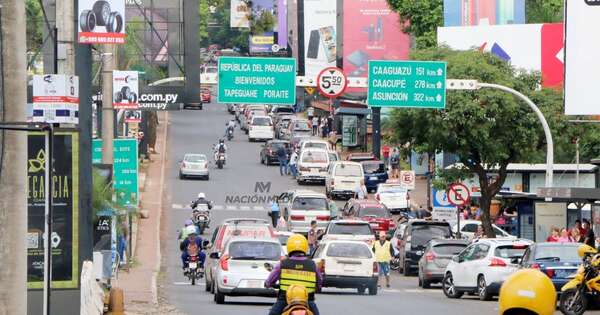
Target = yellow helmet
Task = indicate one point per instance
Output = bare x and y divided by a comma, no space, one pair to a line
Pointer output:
297,243
527,289
296,294
585,249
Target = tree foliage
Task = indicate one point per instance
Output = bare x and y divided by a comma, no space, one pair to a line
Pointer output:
544,11
218,31
420,18
34,25
131,55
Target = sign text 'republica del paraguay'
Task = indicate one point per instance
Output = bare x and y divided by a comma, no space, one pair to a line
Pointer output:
420,84
257,80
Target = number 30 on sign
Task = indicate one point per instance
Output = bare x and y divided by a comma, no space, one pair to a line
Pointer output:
332,82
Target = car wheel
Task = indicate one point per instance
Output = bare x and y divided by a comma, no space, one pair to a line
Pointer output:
262,160
406,268
425,284
373,289
420,283
206,284
482,291
181,176
207,177
212,286
449,288
218,296
300,182
361,290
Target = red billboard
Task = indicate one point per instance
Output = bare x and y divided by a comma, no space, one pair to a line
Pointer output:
372,31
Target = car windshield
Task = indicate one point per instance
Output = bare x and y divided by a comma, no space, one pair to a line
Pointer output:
283,239
309,203
372,168
282,109
210,70
350,229
348,170
277,145
349,250
316,145
391,189
314,157
332,157
261,121
254,250
421,234
449,249
557,253
509,251
301,126
258,112
195,158
377,212
284,124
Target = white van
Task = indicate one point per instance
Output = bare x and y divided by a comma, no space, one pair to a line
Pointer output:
260,128
314,144
342,179
312,165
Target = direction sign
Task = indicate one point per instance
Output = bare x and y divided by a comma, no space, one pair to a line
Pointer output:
458,194
332,82
407,179
254,80
420,84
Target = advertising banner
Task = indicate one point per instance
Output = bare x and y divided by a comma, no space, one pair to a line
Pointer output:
125,89
483,12
133,116
547,215
55,98
125,171
537,47
262,43
101,21
282,25
239,14
151,101
65,227
582,65
371,32
349,131
320,42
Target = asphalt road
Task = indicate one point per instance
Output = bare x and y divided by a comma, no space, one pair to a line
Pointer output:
196,131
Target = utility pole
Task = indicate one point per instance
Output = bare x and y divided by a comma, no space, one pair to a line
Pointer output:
13,158
66,28
108,65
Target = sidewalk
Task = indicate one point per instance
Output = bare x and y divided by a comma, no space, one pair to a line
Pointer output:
139,288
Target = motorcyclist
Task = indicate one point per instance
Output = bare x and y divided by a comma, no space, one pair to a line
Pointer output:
229,125
220,147
529,292
201,199
183,233
297,269
193,243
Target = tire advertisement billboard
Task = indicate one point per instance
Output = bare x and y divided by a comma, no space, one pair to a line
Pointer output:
125,89
483,12
101,21
371,32
65,232
320,41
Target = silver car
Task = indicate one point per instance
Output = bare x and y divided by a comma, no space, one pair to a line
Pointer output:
436,257
194,165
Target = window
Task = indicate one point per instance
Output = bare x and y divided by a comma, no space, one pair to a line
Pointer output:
481,251
314,157
301,126
261,121
471,228
309,203
195,158
316,145
421,234
348,250
373,168
250,250
391,189
332,157
557,253
377,212
348,170
509,251
350,229
466,254
448,249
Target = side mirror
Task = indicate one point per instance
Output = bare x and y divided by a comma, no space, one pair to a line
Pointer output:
268,266
455,258
516,260
214,255
205,244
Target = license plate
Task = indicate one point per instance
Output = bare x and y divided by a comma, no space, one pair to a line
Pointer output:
373,178
563,273
349,268
254,284
193,265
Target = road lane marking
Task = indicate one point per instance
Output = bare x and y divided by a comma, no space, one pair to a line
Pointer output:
244,208
231,208
218,207
258,208
176,206
201,283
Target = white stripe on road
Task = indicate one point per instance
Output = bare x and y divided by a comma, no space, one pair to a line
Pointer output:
244,208
178,206
218,207
259,208
231,208
201,283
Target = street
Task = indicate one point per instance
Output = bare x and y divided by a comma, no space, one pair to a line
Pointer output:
196,131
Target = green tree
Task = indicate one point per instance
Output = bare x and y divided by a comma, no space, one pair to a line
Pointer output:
34,25
218,31
131,55
544,11
420,18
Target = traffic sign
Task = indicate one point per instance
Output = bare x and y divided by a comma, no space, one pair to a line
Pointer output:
440,199
331,82
458,194
407,179
420,84
254,80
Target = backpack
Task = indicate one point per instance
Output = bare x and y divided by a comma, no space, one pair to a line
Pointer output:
221,148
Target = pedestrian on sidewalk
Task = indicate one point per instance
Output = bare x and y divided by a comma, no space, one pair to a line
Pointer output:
294,163
395,162
310,113
386,156
274,213
383,254
315,125
282,159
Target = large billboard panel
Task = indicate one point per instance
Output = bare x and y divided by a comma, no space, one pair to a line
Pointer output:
537,47
101,21
320,41
55,98
239,12
371,32
125,89
483,12
581,57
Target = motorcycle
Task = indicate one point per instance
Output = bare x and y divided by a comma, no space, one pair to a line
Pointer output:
194,271
296,306
220,160
576,293
201,217
229,134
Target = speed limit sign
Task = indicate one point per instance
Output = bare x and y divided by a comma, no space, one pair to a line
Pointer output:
332,82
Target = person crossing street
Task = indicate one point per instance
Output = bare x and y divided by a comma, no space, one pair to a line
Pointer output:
383,254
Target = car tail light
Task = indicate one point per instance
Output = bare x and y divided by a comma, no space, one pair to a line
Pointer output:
322,266
377,197
375,267
297,217
519,246
430,256
550,273
224,262
535,266
305,169
323,218
497,262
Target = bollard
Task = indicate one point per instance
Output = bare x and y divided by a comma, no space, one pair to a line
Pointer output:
117,305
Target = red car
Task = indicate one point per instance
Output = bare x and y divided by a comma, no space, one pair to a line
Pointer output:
371,211
205,95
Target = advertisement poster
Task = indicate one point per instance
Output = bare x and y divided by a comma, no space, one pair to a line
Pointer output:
320,42
101,21
262,43
282,25
65,184
125,171
349,131
55,98
537,47
371,32
483,12
133,116
125,89
548,215
239,14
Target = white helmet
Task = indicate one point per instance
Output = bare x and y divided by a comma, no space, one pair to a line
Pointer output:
201,195
190,229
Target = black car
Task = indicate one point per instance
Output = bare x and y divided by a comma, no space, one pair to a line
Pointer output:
375,174
414,240
557,260
268,152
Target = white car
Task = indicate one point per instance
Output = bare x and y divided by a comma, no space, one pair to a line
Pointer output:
393,196
468,228
482,267
342,179
300,207
347,264
312,143
241,269
194,165
261,128
350,230
312,165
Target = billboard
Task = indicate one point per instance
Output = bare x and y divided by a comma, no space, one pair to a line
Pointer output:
101,22
581,57
282,25
55,98
371,32
320,41
262,43
65,231
239,14
537,47
483,12
125,89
